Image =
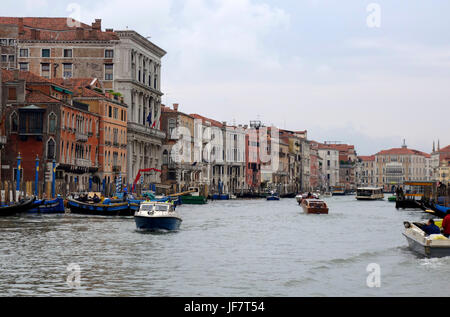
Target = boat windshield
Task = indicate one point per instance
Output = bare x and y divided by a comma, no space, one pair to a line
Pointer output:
162,208
317,204
146,207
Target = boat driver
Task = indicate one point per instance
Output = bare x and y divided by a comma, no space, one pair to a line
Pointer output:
446,226
431,228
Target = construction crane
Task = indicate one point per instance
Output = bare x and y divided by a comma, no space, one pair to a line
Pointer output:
146,170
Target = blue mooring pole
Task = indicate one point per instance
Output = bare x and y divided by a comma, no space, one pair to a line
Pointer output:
19,166
36,180
54,179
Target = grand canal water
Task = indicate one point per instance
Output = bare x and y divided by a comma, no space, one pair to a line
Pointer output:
235,248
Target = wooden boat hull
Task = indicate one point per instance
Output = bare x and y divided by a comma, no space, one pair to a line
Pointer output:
48,207
17,208
315,211
120,209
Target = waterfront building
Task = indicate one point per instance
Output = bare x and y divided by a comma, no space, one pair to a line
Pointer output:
438,156
252,157
42,121
398,165
225,160
111,129
316,163
330,167
366,175
123,61
8,46
182,166
347,164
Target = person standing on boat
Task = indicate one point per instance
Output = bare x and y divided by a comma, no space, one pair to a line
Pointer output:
431,228
446,226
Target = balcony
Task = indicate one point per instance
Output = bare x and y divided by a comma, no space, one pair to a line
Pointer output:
81,137
83,163
116,169
116,144
141,129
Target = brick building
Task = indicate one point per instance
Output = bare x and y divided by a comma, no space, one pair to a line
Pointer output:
42,121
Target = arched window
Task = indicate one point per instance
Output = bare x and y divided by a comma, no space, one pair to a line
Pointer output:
51,149
52,123
165,157
63,121
14,122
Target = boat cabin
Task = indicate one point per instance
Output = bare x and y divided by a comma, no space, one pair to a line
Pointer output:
150,208
370,193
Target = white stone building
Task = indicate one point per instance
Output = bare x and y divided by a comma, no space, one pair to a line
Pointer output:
137,76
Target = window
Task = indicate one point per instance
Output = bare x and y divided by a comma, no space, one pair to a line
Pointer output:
51,149
116,116
31,122
110,112
156,82
3,42
12,94
12,42
11,58
14,122
109,53
45,70
172,126
23,67
109,71
45,52
68,53
23,52
4,58
52,123
67,71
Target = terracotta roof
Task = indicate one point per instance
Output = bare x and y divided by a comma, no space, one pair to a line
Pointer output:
403,151
214,123
167,109
57,29
78,82
36,96
367,158
445,149
8,75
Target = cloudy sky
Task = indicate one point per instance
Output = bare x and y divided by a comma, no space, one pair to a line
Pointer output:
318,65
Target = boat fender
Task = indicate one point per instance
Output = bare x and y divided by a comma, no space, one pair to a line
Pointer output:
407,225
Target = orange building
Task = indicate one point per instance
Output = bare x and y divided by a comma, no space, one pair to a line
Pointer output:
111,130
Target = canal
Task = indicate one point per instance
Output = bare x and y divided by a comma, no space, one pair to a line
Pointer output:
233,248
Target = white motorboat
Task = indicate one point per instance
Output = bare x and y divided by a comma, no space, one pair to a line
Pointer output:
435,245
154,216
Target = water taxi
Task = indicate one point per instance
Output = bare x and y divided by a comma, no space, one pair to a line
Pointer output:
155,216
370,193
435,245
314,206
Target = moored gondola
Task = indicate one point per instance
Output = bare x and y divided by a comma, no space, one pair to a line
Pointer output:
22,206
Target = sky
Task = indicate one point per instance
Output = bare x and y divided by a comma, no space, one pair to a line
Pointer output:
368,73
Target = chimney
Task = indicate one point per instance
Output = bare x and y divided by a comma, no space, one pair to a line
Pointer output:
21,29
109,30
224,123
97,25
175,106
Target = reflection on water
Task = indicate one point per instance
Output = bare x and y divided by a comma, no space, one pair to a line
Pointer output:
227,248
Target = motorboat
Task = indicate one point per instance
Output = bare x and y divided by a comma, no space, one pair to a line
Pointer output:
314,206
301,197
435,245
156,216
327,194
370,193
194,197
16,208
273,197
